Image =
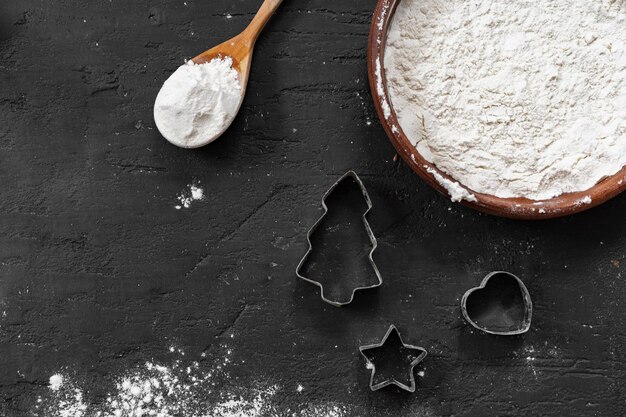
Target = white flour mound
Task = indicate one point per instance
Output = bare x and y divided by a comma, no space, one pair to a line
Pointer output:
514,98
198,102
56,382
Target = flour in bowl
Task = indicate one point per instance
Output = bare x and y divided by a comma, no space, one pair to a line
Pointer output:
198,102
513,98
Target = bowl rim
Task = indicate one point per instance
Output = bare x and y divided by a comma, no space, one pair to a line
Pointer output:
514,208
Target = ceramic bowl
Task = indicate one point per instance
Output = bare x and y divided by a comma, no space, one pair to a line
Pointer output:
517,208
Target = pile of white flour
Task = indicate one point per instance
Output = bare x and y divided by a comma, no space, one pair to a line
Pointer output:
198,102
514,98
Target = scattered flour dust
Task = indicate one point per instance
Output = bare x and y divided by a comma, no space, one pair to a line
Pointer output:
182,388
67,400
512,98
195,193
198,102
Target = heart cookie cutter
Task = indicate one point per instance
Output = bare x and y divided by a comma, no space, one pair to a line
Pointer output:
500,305
368,229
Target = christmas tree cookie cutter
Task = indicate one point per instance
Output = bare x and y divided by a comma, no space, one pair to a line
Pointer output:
368,229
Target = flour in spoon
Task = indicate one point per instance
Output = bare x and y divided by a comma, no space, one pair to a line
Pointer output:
198,102
514,98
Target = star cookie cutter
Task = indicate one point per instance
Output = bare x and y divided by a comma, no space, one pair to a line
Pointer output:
393,381
500,305
368,229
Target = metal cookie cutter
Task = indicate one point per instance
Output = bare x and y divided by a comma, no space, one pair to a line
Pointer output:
374,242
406,352
501,305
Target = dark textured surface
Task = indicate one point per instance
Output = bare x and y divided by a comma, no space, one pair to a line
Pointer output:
99,272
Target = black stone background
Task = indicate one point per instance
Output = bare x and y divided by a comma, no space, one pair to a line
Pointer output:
99,272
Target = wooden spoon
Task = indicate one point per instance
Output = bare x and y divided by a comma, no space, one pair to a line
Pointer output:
238,49
241,47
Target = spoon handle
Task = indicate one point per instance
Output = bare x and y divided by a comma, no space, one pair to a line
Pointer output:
260,20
